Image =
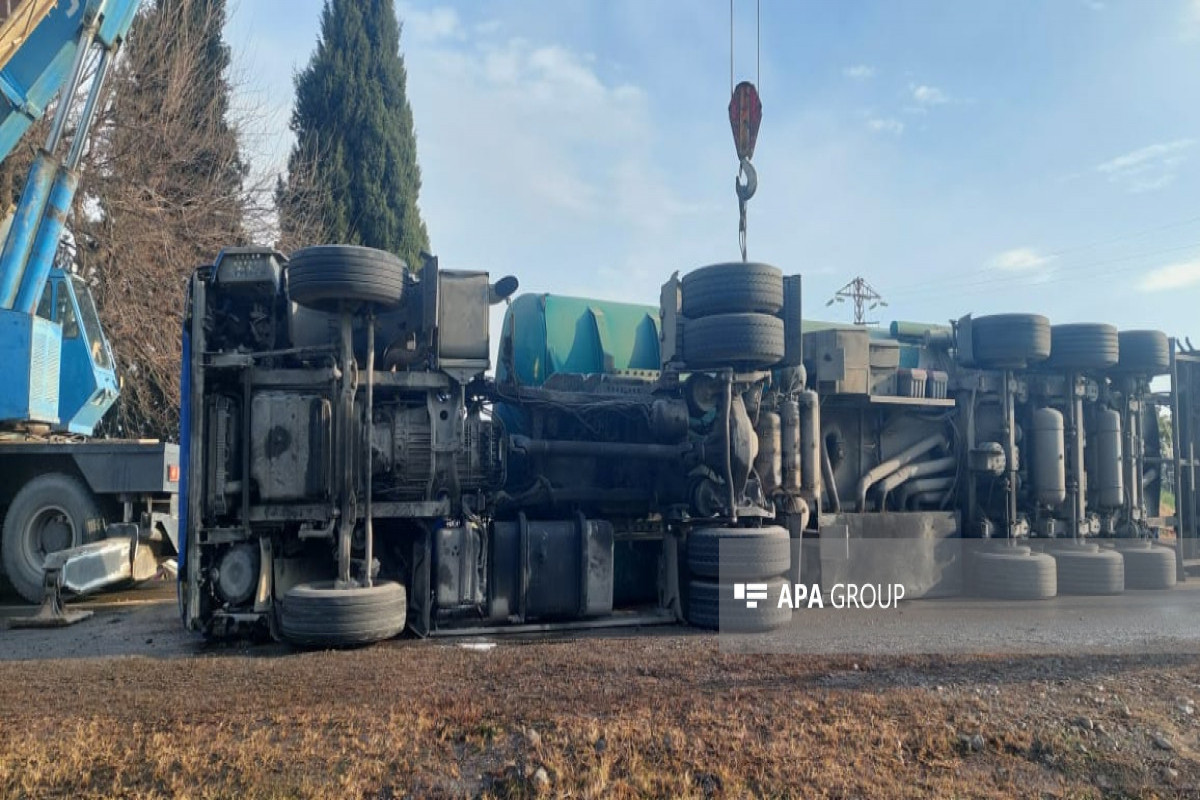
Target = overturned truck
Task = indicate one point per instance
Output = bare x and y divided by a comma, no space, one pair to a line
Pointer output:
352,471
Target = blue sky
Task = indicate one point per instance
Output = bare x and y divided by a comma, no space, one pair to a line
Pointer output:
990,156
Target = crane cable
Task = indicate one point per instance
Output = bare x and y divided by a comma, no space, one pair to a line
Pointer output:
757,45
745,116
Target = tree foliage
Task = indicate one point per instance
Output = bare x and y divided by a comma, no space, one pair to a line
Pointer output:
354,165
162,192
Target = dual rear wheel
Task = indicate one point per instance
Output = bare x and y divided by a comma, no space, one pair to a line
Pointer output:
757,558
731,312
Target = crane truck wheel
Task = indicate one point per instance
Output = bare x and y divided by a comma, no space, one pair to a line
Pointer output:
50,513
1147,566
725,340
712,605
1082,346
319,615
731,289
1015,575
1010,341
759,552
1088,570
325,276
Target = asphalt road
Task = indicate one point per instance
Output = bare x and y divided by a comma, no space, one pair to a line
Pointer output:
145,622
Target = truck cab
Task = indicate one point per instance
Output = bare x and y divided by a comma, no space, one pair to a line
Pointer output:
88,383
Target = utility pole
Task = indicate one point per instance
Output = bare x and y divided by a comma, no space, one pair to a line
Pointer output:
864,297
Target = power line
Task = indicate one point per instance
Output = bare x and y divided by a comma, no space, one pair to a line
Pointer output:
971,279
992,279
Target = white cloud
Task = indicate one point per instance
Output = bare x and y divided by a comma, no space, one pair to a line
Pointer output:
535,156
1147,168
1172,276
1094,5
430,26
928,95
886,125
1020,259
522,121
859,72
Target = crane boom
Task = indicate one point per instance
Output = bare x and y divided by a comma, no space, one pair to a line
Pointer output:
51,51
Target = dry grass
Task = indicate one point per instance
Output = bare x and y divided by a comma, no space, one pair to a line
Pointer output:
641,717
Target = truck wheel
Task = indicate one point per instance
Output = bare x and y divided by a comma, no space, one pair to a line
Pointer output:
1087,570
324,276
1146,352
731,289
52,512
1015,575
1147,566
725,340
1010,341
318,615
1083,346
711,605
760,552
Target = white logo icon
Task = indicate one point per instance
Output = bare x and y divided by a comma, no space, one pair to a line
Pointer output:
750,592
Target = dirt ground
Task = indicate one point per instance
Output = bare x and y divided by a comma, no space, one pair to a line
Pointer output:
620,715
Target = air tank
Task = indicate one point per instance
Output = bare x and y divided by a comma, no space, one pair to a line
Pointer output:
790,419
769,463
810,440
1049,457
1109,484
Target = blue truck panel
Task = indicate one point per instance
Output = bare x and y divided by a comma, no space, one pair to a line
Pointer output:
30,388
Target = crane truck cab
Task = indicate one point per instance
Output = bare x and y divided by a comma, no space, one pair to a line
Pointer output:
88,384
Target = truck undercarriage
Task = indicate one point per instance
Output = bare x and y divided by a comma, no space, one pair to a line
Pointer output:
351,471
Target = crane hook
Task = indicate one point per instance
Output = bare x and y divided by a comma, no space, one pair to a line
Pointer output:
746,182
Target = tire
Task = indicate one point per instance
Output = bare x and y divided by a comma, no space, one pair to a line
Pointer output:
325,276
1010,341
52,512
732,288
1015,576
1147,352
760,553
1083,346
727,340
711,606
318,615
1088,570
1147,566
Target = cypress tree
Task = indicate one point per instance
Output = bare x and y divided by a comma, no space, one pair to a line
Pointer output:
354,165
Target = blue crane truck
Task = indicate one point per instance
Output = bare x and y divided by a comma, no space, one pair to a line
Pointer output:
80,513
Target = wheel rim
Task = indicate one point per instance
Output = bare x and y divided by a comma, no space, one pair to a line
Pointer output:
48,531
